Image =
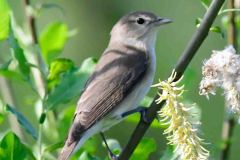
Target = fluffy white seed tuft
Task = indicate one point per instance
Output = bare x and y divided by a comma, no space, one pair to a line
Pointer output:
222,70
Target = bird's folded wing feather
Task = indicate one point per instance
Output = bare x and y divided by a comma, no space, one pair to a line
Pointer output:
115,76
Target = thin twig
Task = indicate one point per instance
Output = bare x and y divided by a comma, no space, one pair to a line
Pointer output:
229,122
232,28
182,64
229,10
40,127
38,61
227,133
32,22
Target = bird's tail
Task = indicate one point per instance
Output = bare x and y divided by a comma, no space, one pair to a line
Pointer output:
73,141
76,138
67,151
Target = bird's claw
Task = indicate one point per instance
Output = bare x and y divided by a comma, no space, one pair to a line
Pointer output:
144,117
141,110
113,156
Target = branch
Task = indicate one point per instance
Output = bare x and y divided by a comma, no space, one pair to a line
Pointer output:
182,64
227,132
39,78
229,122
232,28
37,60
31,22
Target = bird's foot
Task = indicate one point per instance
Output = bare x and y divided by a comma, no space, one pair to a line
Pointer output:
141,110
111,154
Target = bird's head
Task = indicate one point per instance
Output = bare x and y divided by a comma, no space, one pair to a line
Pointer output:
138,25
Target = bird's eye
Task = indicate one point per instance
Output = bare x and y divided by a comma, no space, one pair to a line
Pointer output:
140,21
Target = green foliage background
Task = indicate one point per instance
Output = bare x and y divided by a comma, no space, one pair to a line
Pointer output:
78,30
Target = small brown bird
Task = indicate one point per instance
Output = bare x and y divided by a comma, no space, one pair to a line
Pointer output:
121,79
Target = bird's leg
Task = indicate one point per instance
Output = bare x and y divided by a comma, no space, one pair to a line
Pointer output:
141,110
112,155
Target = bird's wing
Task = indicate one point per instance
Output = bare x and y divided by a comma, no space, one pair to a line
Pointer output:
114,77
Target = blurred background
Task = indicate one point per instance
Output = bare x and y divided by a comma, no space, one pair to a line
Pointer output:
93,21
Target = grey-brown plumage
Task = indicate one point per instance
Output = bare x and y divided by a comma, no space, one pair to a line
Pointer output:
116,74
127,66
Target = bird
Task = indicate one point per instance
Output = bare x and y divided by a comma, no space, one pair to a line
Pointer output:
120,80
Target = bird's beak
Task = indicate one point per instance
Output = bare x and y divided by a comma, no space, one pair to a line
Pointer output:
160,21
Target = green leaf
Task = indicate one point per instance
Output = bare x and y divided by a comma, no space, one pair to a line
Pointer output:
53,147
215,29
2,117
5,72
144,149
71,84
206,3
225,21
6,65
218,30
88,65
23,121
229,10
53,6
11,148
87,156
19,55
169,154
52,40
237,20
42,118
114,146
57,68
10,74
2,112
4,20
198,22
